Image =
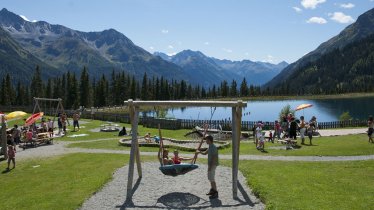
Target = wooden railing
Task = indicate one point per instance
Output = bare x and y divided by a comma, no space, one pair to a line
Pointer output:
175,124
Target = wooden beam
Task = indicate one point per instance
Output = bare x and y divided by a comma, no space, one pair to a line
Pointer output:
137,153
188,103
48,99
134,127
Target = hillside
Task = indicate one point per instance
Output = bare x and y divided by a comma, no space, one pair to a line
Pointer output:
362,28
19,63
348,69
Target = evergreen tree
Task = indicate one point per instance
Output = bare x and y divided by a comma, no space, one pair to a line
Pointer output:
243,88
144,88
84,89
49,89
133,88
224,89
36,87
233,89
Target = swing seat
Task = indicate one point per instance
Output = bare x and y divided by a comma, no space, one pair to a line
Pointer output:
177,169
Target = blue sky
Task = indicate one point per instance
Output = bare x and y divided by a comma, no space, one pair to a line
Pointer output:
259,30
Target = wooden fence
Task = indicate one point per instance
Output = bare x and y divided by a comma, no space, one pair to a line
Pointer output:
175,124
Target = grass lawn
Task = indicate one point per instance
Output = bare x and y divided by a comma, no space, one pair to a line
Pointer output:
349,145
326,146
90,127
62,182
311,185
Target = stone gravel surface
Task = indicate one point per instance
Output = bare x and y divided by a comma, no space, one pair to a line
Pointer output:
157,191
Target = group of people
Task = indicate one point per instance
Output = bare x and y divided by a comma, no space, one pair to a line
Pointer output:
287,128
28,133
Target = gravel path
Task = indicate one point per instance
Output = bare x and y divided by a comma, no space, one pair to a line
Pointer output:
59,148
164,192
342,132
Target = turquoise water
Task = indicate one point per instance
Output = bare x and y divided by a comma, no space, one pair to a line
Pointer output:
325,110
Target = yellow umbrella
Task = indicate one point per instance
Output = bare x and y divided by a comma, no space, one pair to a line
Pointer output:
15,115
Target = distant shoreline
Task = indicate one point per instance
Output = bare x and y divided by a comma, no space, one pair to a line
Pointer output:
305,97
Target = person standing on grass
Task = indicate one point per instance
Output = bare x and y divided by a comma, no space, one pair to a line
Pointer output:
302,129
310,130
76,118
371,129
212,152
11,155
16,135
50,127
293,128
277,130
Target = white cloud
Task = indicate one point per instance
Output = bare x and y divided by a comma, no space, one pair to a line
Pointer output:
206,43
151,48
164,31
311,4
170,47
318,20
297,9
341,17
171,54
227,50
269,59
25,18
347,6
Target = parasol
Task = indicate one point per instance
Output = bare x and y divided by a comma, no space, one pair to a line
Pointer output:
303,106
15,115
33,118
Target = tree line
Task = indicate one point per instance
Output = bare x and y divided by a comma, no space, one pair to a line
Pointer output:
87,91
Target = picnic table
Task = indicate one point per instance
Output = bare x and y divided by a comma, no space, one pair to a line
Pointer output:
41,138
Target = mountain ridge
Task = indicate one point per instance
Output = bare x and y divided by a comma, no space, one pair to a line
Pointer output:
101,52
256,73
363,27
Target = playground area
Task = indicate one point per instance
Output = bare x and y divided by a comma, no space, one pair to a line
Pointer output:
90,169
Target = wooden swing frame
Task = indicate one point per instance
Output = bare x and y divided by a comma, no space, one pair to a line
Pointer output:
134,106
59,105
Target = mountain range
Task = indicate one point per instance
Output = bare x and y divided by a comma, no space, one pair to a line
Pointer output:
198,65
352,35
70,50
57,49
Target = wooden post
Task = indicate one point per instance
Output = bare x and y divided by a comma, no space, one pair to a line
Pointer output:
3,138
236,132
137,153
234,160
134,129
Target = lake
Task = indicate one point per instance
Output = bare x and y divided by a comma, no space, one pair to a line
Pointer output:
325,110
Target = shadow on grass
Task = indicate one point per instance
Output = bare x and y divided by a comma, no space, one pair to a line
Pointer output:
310,145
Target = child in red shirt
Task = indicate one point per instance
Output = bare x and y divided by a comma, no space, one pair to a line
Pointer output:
178,160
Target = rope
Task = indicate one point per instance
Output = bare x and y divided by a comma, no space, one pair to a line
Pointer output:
161,148
201,143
